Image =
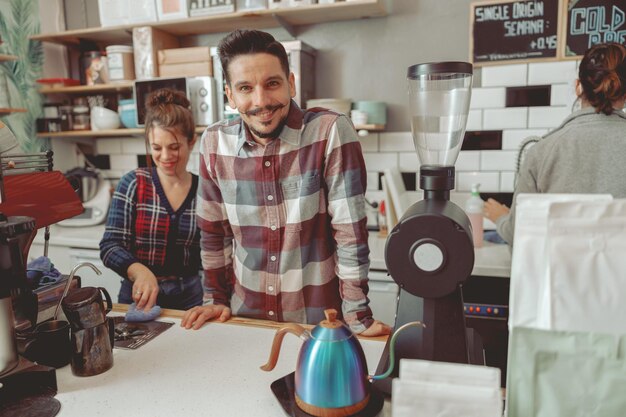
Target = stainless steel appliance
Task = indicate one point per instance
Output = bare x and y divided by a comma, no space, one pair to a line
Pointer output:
199,90
95,194
429,253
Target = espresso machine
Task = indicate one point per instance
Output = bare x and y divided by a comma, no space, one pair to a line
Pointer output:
18,376
430,253
31,197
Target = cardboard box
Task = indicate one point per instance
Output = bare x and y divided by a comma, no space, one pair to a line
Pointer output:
172,9
182,55
147,41
187,69
80,14
124,12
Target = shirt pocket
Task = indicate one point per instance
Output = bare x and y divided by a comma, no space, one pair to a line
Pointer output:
299,198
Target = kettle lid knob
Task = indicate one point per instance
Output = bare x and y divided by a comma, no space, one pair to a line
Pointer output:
331,321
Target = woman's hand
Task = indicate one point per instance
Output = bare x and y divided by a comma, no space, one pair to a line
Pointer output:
145,286
493,210
378,328
197,316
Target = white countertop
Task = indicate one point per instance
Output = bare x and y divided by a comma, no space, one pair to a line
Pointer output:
491,260
213,371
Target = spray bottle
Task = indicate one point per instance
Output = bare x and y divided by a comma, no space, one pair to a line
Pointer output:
474,211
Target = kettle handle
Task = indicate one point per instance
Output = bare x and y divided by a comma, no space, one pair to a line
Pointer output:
278,340
392,346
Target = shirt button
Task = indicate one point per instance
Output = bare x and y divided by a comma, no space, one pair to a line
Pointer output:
270,197
272,258
271,313
267,163
273,227
270,288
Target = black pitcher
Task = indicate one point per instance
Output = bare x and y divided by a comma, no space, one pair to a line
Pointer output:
92,332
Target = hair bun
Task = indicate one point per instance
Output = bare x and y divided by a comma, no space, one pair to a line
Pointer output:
166,96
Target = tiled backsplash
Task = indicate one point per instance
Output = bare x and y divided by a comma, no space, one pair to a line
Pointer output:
495,131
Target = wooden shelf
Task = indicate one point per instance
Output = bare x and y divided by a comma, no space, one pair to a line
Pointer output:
258,19
371,128
101,133
86,89
7,110
4,58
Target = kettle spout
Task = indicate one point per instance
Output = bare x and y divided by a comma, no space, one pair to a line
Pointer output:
392,346
278,340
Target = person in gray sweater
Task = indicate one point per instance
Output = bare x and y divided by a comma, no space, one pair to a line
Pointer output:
587,152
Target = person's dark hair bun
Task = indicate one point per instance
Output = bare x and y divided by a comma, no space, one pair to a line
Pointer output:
166,96
602,75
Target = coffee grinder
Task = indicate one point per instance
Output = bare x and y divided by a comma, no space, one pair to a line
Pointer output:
430,253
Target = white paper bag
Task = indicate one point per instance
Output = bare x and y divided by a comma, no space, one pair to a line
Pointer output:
586,248
529,294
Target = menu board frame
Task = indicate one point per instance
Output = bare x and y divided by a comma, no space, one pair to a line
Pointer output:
564,41
559,30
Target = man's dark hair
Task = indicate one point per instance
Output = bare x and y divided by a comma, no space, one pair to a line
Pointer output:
242,42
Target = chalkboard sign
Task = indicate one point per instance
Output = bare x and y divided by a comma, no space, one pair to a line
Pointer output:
589,22
513,30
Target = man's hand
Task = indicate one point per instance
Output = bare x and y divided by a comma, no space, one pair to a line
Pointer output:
493,210
378,328
195,317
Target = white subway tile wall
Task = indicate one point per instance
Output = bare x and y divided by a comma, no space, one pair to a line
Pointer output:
108,146
397,142
493,169
123,162
509,118
540,73
487,180
512,138
134,145
369,143
408,162
505,75
497,160
488,98
548,117
474,120
468,161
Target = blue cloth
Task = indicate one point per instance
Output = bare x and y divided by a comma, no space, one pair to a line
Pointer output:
41,271
493,237
135,315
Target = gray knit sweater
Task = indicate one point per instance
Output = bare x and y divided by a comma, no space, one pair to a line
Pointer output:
586,154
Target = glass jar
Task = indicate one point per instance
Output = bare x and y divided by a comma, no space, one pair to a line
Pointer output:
80,117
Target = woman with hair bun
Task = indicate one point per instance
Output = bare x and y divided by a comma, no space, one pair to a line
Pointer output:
587,153
151,239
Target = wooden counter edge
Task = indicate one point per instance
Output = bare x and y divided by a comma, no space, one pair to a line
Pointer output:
238,321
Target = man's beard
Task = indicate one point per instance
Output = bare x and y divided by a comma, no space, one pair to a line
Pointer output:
269,135
274,133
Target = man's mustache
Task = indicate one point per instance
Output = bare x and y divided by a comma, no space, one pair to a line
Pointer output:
269,107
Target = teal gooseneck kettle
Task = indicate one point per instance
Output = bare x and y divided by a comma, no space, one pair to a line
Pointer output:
331,378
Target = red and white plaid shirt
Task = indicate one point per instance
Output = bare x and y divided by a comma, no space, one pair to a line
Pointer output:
283,226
